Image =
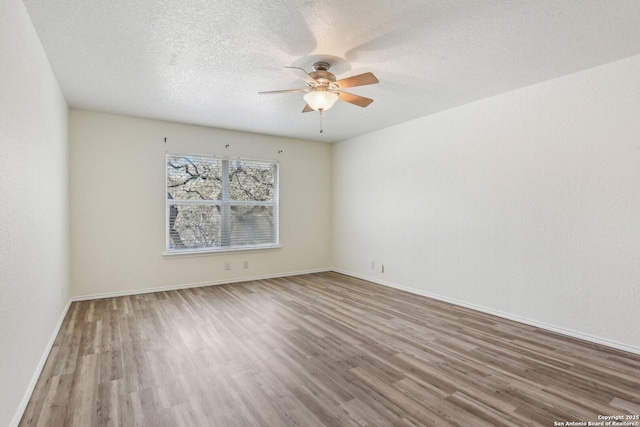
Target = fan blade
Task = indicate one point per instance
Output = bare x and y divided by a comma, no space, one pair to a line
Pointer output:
359,80
306,109
282,91
358,100
304,75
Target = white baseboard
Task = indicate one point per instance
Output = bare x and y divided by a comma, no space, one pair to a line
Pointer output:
530,322
194,285
34,380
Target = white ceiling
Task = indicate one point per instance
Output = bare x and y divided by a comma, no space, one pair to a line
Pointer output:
203,61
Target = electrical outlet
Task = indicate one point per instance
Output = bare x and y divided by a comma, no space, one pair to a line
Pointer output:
381,268
246,264
373,265
227,265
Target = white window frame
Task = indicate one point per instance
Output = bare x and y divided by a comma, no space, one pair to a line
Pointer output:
225,215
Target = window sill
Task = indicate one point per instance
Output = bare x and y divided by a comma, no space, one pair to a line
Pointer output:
207,252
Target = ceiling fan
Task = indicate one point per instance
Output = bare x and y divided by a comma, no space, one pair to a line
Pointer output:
323,90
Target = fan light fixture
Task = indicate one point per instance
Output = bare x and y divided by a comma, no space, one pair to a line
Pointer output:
321,100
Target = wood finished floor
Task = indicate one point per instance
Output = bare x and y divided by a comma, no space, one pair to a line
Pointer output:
318,350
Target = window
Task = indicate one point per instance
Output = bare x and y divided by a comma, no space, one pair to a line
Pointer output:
218,204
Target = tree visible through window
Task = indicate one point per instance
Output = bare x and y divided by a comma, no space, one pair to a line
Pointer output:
216,203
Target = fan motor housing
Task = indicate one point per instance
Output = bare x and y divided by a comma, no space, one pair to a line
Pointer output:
322,74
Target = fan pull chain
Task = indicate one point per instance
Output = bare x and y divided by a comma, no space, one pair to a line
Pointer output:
320,119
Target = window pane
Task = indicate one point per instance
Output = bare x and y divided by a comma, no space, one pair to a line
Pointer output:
194,226
220,204
192,177
252,225
251,180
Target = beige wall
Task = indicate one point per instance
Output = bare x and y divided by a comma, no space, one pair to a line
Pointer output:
34,250
526,204
118,204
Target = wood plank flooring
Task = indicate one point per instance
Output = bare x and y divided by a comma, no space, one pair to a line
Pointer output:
318,350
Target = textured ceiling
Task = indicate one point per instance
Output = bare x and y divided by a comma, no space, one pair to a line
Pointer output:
203,61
